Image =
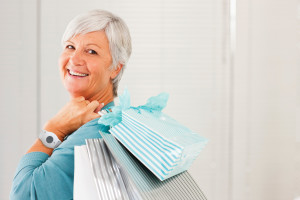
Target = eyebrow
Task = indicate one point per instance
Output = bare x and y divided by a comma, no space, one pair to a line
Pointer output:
86,44
94,45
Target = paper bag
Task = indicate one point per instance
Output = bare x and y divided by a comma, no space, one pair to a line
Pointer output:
105,170
162,144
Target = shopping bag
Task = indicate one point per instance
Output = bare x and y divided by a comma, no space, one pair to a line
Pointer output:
163,145
97,176
106,170
144,184
84,184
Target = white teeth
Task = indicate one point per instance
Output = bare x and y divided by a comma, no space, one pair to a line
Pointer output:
77,74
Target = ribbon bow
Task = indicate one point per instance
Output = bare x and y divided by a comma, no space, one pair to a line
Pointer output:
154,104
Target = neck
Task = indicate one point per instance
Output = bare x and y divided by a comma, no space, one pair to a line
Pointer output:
105,96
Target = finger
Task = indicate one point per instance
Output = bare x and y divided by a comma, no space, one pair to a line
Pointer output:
93,105
87,102
93,116
101,105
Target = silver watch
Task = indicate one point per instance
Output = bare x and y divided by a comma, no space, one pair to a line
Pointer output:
49,139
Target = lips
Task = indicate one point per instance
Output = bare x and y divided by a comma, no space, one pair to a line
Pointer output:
78,74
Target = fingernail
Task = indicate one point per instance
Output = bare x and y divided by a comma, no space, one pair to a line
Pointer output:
102,104
102,112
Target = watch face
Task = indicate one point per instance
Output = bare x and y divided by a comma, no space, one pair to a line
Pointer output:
49,139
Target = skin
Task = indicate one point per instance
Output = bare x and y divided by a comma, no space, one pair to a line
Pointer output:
87,54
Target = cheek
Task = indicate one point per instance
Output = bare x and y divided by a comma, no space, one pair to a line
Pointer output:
101,74
62,61
97,66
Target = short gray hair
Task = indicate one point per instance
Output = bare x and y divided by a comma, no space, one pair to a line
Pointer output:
116,31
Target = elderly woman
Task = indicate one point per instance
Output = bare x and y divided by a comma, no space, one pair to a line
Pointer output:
96,48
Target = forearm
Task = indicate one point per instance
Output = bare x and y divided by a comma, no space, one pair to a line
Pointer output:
76,113
38,146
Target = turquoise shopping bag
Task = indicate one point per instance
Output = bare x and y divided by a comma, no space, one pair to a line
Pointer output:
163,145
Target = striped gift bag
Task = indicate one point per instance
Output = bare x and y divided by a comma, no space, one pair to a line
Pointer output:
163,145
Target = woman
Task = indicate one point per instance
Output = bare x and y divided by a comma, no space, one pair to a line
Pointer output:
96,48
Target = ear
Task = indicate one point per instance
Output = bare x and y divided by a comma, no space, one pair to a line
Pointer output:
115,72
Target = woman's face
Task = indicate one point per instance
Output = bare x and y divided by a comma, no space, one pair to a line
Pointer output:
85,65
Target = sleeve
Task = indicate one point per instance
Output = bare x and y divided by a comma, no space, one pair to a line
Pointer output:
42,177
39,176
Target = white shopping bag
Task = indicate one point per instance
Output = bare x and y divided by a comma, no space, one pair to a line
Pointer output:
84,184
98,176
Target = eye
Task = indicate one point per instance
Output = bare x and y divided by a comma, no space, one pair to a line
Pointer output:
91,51
70,47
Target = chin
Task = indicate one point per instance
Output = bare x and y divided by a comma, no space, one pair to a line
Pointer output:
76,91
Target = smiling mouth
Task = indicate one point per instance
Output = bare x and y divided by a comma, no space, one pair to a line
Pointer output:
72,73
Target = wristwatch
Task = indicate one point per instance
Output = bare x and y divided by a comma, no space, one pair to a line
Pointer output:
49,139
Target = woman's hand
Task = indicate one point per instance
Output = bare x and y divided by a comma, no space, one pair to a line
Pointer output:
72,116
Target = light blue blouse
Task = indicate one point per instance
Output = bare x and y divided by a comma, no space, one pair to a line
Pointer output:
44,177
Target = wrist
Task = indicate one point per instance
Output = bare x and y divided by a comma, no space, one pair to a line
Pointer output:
49,139
54,127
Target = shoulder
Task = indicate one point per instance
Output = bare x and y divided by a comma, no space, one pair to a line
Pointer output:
87,131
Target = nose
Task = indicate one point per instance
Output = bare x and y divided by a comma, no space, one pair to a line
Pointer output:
77,59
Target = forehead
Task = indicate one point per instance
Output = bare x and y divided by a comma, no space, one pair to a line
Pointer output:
96,37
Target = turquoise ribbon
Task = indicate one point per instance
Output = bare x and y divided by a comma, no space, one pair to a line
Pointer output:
154,105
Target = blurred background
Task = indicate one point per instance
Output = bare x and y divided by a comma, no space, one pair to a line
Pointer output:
231,69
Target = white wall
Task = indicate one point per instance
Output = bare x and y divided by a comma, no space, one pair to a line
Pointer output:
247,108
18,85
266,99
